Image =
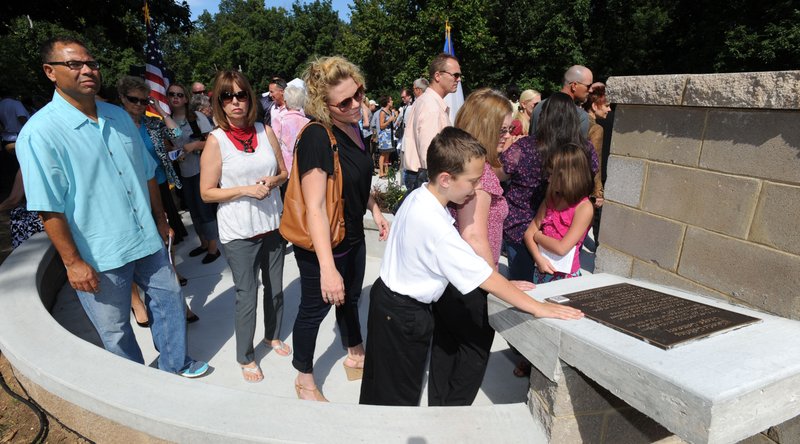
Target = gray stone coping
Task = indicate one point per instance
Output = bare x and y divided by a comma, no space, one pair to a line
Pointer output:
773,90
717,390
172,408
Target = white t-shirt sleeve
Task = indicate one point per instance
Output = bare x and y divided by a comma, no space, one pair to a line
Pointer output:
458,262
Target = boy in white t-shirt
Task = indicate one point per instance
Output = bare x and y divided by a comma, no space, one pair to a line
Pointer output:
423,253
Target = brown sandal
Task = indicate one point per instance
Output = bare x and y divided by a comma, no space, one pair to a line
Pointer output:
354,373
317,394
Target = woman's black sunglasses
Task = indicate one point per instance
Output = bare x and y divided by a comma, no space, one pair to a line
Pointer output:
227,96
138,101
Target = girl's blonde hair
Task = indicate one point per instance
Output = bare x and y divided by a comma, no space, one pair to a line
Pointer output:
320,76
482,116
570,174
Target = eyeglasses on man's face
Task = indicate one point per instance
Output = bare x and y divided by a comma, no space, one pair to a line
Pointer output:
77,65
202,91
347,103
456,75
587,86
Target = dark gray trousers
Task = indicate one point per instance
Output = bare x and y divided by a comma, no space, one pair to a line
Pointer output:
246,257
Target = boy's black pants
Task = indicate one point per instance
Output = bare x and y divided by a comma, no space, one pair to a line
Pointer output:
399,330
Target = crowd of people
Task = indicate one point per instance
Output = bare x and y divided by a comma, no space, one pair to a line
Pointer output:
521,178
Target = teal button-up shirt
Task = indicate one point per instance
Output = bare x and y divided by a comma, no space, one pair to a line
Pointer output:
96,174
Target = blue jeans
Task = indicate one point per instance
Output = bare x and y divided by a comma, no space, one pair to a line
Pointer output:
110,310
415,179
520,262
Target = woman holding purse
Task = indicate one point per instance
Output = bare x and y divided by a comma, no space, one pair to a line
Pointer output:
241,169
332,275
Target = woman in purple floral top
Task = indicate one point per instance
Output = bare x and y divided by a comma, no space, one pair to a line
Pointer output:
523,165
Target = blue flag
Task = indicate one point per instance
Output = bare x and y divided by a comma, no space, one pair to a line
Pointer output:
454,100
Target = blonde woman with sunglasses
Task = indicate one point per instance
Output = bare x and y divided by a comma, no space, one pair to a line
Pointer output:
332,276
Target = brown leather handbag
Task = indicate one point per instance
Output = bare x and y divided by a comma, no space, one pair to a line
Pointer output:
294,226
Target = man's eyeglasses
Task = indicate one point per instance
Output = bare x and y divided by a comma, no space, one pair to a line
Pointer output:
176,94
137,100
506,130
202,91
347,103
228,96
456,75
76,65
588,87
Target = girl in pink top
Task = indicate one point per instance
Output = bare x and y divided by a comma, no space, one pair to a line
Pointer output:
564,218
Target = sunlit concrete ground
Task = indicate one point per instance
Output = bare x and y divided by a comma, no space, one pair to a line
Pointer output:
210,294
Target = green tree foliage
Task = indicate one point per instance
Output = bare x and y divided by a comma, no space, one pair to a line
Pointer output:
524,43
262,42
113,31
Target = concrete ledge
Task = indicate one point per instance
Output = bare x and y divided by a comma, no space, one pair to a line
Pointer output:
775,90
717,390
171,408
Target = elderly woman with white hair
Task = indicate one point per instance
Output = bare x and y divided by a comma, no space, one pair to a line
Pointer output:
292,121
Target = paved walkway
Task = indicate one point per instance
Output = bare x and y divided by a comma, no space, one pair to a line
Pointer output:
210,294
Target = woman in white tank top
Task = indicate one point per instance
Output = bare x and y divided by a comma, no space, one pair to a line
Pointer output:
241,168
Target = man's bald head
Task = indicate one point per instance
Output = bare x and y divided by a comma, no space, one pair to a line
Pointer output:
578,82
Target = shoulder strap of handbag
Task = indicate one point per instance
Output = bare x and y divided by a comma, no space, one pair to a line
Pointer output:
331,138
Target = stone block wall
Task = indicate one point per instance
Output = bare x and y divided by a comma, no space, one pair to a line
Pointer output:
575,409
703,188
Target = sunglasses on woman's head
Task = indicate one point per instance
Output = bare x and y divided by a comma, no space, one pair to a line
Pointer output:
347,103
176,94
228,96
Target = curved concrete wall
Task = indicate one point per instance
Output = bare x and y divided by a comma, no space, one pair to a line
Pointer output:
117,400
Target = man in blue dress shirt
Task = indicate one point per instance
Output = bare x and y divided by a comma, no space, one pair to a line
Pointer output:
88,174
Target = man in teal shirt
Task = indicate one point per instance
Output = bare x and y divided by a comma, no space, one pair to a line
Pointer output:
88,174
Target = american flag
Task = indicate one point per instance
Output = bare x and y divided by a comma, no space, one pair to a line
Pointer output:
155,71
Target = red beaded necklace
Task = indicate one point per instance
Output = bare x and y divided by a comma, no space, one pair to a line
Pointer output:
244,140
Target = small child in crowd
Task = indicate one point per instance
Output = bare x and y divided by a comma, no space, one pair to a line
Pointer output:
424,252
564,218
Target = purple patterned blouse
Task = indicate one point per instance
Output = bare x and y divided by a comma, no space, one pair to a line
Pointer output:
498,209
523,163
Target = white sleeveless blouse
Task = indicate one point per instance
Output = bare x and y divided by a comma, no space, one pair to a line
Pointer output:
247,217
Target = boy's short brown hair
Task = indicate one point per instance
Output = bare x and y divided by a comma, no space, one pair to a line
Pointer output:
450,151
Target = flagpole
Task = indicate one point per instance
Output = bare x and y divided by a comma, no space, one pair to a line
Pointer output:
155,70
456,99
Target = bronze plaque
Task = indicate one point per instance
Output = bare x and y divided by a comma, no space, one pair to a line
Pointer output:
657,318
